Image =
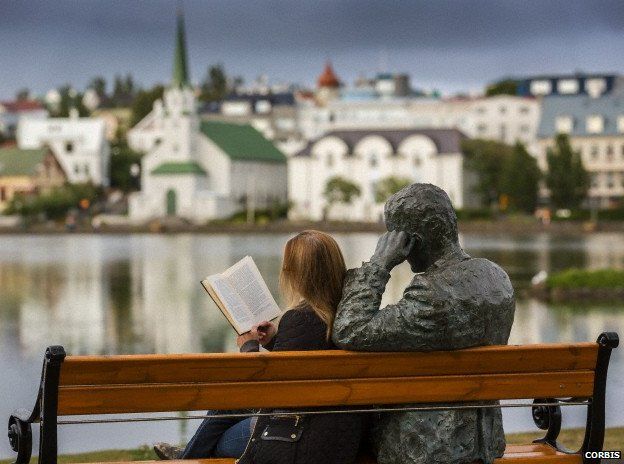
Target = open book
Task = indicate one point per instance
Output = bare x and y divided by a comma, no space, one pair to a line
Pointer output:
242,295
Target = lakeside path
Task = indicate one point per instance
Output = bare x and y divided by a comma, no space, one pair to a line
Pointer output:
516,226
571,438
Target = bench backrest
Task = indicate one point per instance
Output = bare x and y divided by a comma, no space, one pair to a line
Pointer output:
189,382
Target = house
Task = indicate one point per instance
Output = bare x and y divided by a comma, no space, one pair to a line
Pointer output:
28,172
12,111
367,156
595,127
79,145
201,170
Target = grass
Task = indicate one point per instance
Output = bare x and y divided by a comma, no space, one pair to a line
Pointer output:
571,438
579,278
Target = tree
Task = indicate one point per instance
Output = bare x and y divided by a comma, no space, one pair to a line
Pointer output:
340,190
504,87
123,160
123,90
144,102
70,98
98,84
388,186
567,179
214,87
520,180
486,158
22,94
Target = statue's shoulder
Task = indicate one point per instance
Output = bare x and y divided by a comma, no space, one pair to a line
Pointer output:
480,269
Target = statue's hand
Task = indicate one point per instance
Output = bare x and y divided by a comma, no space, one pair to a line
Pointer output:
392,249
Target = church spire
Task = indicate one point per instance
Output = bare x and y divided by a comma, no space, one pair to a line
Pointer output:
180,69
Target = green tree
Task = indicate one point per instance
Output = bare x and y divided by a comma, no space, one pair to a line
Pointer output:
486,158
520,180
70,98
567,179
214,87
98,84
340,190
124,167
388,186
144,102
22,94
504,87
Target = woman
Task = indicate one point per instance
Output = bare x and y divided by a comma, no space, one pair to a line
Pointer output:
311,279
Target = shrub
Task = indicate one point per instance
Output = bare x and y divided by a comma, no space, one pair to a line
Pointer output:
579,278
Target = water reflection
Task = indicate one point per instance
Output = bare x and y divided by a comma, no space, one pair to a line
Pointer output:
141,294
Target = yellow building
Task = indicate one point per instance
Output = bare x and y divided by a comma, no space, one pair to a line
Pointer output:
28,172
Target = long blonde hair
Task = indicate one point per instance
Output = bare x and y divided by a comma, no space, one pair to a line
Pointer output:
313,272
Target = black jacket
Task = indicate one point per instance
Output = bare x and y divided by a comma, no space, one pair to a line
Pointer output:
311,439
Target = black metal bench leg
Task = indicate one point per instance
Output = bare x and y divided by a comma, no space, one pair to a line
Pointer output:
49,404
595,429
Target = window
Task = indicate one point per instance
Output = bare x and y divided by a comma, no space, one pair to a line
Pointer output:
481,110
86,169
524,128
595,87
158,141
568,86
594,124
610,180
503,132
564,124
373,161
609,153
541,87
69,147
418,161
502,109
524,109
594,180
594,152
76,169
481,128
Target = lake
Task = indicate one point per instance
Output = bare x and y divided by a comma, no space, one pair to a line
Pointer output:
109,294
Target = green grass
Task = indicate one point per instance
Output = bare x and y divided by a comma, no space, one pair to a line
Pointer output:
579,278
571,438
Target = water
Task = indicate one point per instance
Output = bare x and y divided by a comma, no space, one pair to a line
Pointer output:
141,294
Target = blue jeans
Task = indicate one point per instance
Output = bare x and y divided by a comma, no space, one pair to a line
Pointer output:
219,438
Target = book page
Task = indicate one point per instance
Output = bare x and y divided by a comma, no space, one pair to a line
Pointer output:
239,314
242,295
251,288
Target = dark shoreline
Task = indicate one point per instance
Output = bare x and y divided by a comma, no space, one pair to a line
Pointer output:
503,226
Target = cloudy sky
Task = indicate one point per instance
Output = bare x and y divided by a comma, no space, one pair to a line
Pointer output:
449,45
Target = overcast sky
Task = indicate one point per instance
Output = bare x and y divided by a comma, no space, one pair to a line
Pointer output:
449,45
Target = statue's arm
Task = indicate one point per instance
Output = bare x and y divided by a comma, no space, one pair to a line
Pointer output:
414,323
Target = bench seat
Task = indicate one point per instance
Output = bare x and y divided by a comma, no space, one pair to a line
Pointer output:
552,374
514,454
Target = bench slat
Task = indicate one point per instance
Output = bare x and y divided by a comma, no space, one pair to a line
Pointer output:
109,399
318,365
514,454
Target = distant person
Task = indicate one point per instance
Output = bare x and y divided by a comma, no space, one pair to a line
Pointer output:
311,279
454,301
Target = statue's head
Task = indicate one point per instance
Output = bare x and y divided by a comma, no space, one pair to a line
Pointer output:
425,212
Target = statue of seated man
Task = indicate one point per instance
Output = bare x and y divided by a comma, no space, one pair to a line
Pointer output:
454,301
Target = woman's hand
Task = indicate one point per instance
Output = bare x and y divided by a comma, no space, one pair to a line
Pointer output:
247,336
265,331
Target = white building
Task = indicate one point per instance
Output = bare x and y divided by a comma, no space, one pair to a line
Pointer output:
595,127
79,145
505,118
12,111
366,157
201,170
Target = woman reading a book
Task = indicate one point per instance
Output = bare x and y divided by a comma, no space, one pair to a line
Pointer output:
311,280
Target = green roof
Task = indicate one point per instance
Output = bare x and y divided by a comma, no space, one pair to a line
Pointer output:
241,142
179,167
16,162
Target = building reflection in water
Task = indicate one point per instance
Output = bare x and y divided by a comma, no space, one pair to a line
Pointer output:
141,294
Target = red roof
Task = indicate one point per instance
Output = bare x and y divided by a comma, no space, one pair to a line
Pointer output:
19,106
328,78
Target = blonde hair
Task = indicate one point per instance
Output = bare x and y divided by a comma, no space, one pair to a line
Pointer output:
313,272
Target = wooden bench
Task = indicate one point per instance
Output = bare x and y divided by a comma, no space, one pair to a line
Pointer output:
100,385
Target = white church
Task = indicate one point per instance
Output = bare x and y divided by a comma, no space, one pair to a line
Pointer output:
200,170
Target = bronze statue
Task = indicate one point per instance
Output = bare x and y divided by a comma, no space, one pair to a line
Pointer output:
453,302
